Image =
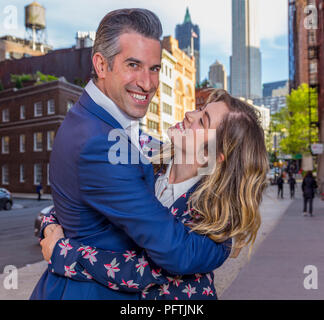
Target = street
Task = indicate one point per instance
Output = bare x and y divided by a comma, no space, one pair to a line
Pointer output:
18,245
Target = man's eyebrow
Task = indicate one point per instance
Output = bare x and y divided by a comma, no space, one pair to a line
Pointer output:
131,59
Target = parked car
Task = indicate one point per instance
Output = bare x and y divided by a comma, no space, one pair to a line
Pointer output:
5,199
39,219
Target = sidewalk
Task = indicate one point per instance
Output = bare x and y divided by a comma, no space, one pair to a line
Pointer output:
276,270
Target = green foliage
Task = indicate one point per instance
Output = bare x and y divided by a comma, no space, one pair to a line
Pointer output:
293,123
39,77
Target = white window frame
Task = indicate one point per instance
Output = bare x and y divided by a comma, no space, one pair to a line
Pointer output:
50,146
3,151
48,182
21,173
36,105
3,175
5,115
35,142
51,106
36,182
22,143
22,112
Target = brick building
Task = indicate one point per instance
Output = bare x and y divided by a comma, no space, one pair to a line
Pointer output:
29,119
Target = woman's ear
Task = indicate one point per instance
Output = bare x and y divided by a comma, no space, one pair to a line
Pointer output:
221,157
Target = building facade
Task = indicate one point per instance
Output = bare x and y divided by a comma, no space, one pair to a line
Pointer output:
30,117
188,36
217,76
246,55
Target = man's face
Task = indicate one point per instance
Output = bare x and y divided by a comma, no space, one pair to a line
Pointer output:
134,77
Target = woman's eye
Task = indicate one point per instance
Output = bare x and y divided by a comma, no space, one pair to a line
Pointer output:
201,122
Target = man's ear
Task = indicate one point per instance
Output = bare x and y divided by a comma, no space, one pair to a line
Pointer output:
100,65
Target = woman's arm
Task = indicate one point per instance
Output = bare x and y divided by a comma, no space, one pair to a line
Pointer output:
126,271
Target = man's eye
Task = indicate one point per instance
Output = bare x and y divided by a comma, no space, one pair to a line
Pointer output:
156,69
133,65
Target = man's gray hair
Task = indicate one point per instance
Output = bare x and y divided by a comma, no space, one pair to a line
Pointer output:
117,22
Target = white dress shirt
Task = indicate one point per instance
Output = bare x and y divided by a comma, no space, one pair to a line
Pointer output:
130,125
168,193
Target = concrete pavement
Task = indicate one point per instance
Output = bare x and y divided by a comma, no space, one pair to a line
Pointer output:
236,279
278,269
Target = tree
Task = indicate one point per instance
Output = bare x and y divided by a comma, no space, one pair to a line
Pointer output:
293,123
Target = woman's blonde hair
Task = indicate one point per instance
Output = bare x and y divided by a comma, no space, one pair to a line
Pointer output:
227,201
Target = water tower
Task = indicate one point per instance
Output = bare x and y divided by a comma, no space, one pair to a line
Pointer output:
35,23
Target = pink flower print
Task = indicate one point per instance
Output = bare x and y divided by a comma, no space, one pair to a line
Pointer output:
174,211
112,267
69,270
145,291
144,139
209,278
189,290
65,247
198,276
175,280
49,219
129,255
129,284
164,289
156,273
112,286
141,265
88,253
186,212
176,298
208,291
88,275
184,195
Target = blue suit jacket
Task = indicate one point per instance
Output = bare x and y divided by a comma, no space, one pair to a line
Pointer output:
113,206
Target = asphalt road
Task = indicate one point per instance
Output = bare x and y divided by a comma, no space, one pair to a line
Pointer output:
18,245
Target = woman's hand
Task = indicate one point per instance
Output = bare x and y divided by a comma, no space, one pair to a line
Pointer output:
52,235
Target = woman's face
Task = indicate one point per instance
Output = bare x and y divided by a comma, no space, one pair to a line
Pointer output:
197,128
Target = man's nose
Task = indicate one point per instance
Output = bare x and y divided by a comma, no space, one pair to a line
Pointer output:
144,81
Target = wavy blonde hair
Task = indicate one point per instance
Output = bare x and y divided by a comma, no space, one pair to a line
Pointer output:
227,201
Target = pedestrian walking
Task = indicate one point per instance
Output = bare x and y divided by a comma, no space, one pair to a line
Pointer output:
309,186
39,191
280,183
292,183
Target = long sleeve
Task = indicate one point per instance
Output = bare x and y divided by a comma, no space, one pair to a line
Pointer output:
121,194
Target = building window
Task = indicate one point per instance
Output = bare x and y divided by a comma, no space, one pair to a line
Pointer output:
5,174
166,89
50,106
22,113
22,143
153,125
21,173
37,173
167,108
166,126
38,141
5,115
69,105
154,108
5,145
50,139
38,109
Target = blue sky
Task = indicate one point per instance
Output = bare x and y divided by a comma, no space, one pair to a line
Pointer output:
64,18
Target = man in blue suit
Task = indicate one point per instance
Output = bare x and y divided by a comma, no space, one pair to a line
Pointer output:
108,205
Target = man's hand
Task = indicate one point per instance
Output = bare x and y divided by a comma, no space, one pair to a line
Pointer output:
52,235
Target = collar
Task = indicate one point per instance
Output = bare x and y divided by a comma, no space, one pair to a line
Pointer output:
107,104
179,188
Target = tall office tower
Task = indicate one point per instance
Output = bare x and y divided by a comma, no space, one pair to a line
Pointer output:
188,36
246,56
217,76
